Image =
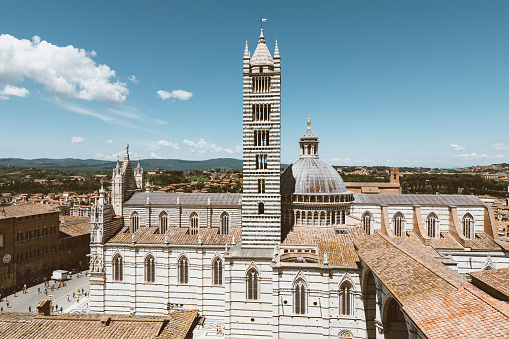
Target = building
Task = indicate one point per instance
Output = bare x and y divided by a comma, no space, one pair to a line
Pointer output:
74,242
297,254
391,187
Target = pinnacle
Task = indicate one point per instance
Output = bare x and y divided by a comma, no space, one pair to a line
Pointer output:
246,52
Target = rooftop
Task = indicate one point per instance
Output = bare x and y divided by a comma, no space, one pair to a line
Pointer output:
25,210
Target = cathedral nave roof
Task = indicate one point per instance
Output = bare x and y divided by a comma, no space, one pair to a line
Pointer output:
418,199
191,199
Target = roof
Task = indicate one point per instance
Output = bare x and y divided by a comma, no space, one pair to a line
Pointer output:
437,299
25,210
311,176
418,199
190,199
74,226
261,55
177,236
496,279
26,325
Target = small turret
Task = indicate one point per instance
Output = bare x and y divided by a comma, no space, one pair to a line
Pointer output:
309,143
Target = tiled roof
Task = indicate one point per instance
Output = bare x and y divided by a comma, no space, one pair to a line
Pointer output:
496,279
445,242
338,254
74,226
439,301
24,325
261,55
25,210
315,235
418,199
177,236
192,199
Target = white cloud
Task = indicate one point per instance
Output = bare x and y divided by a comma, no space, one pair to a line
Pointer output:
175,94
13,91
109,157
66,72
165,143
77,140
155,156
500,146
102,116
203,147
133,79
477,156
109,141
457,147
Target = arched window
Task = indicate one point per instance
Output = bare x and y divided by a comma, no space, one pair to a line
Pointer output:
193,223
36,233
183,268
345,299
20,236
135,222
225,223
366,222
252,285
163,222
150,269
261,208
299,297
432,225
118,268
45,231
468,225
217,272
28,234
398,224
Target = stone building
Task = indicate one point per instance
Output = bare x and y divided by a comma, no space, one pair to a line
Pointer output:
297,255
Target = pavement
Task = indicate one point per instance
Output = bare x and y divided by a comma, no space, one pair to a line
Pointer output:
22,301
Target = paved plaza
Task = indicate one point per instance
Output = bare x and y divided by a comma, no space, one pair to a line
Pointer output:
22,301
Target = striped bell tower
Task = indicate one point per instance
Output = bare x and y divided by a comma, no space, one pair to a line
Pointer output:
261,199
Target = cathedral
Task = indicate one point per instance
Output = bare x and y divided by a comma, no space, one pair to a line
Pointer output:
297,255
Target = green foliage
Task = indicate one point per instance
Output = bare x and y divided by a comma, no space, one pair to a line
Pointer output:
363,178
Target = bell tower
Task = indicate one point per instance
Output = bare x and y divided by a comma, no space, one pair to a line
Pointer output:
261,199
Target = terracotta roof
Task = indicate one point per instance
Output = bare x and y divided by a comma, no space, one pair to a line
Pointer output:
25,325
445,242
315,235
74,226
338,254
496,279
177,236
414,241
483,242
25,210
437,299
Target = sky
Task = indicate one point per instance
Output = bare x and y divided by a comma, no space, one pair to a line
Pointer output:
389,83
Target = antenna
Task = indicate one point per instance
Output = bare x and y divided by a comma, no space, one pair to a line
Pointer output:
262,20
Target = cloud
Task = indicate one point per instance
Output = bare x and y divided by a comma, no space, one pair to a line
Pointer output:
77,140
66,72
13,91
90,112
109,141
165,143
176,94
108,157
133,79
203,147
500,146
155,156
457,147
477,156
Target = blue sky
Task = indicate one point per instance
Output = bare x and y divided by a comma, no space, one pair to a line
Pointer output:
400,83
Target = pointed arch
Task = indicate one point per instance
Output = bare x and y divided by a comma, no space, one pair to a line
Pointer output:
183,270
135,221
346,298
193,223
300,299
217,271
468,225
163,222
398,224
150,268
252,284
225,223
345,334
432,225
367,219
118,267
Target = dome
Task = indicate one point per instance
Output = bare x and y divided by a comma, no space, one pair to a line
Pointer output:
311,176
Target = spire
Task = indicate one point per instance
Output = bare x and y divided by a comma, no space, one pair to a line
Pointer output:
246,52
262,38
137,167
261,55
276,52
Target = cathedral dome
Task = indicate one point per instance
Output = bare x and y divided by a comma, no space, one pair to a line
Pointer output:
311,176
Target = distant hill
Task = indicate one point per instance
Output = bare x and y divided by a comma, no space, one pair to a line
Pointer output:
93,165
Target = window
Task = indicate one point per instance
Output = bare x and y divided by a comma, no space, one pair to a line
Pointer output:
150,269
468,225
261,138
261,208
225,223
261,186
252,285
366,222
36,233
217,272
183,274
345,299
20,236
261,84
118,268
398,224
28,235
299,297
135,222
431,225
261,161
163,222
261,112
52,229
28,255
193,223
45,231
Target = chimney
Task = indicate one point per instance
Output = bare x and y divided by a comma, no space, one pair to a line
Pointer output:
44,307
105,321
